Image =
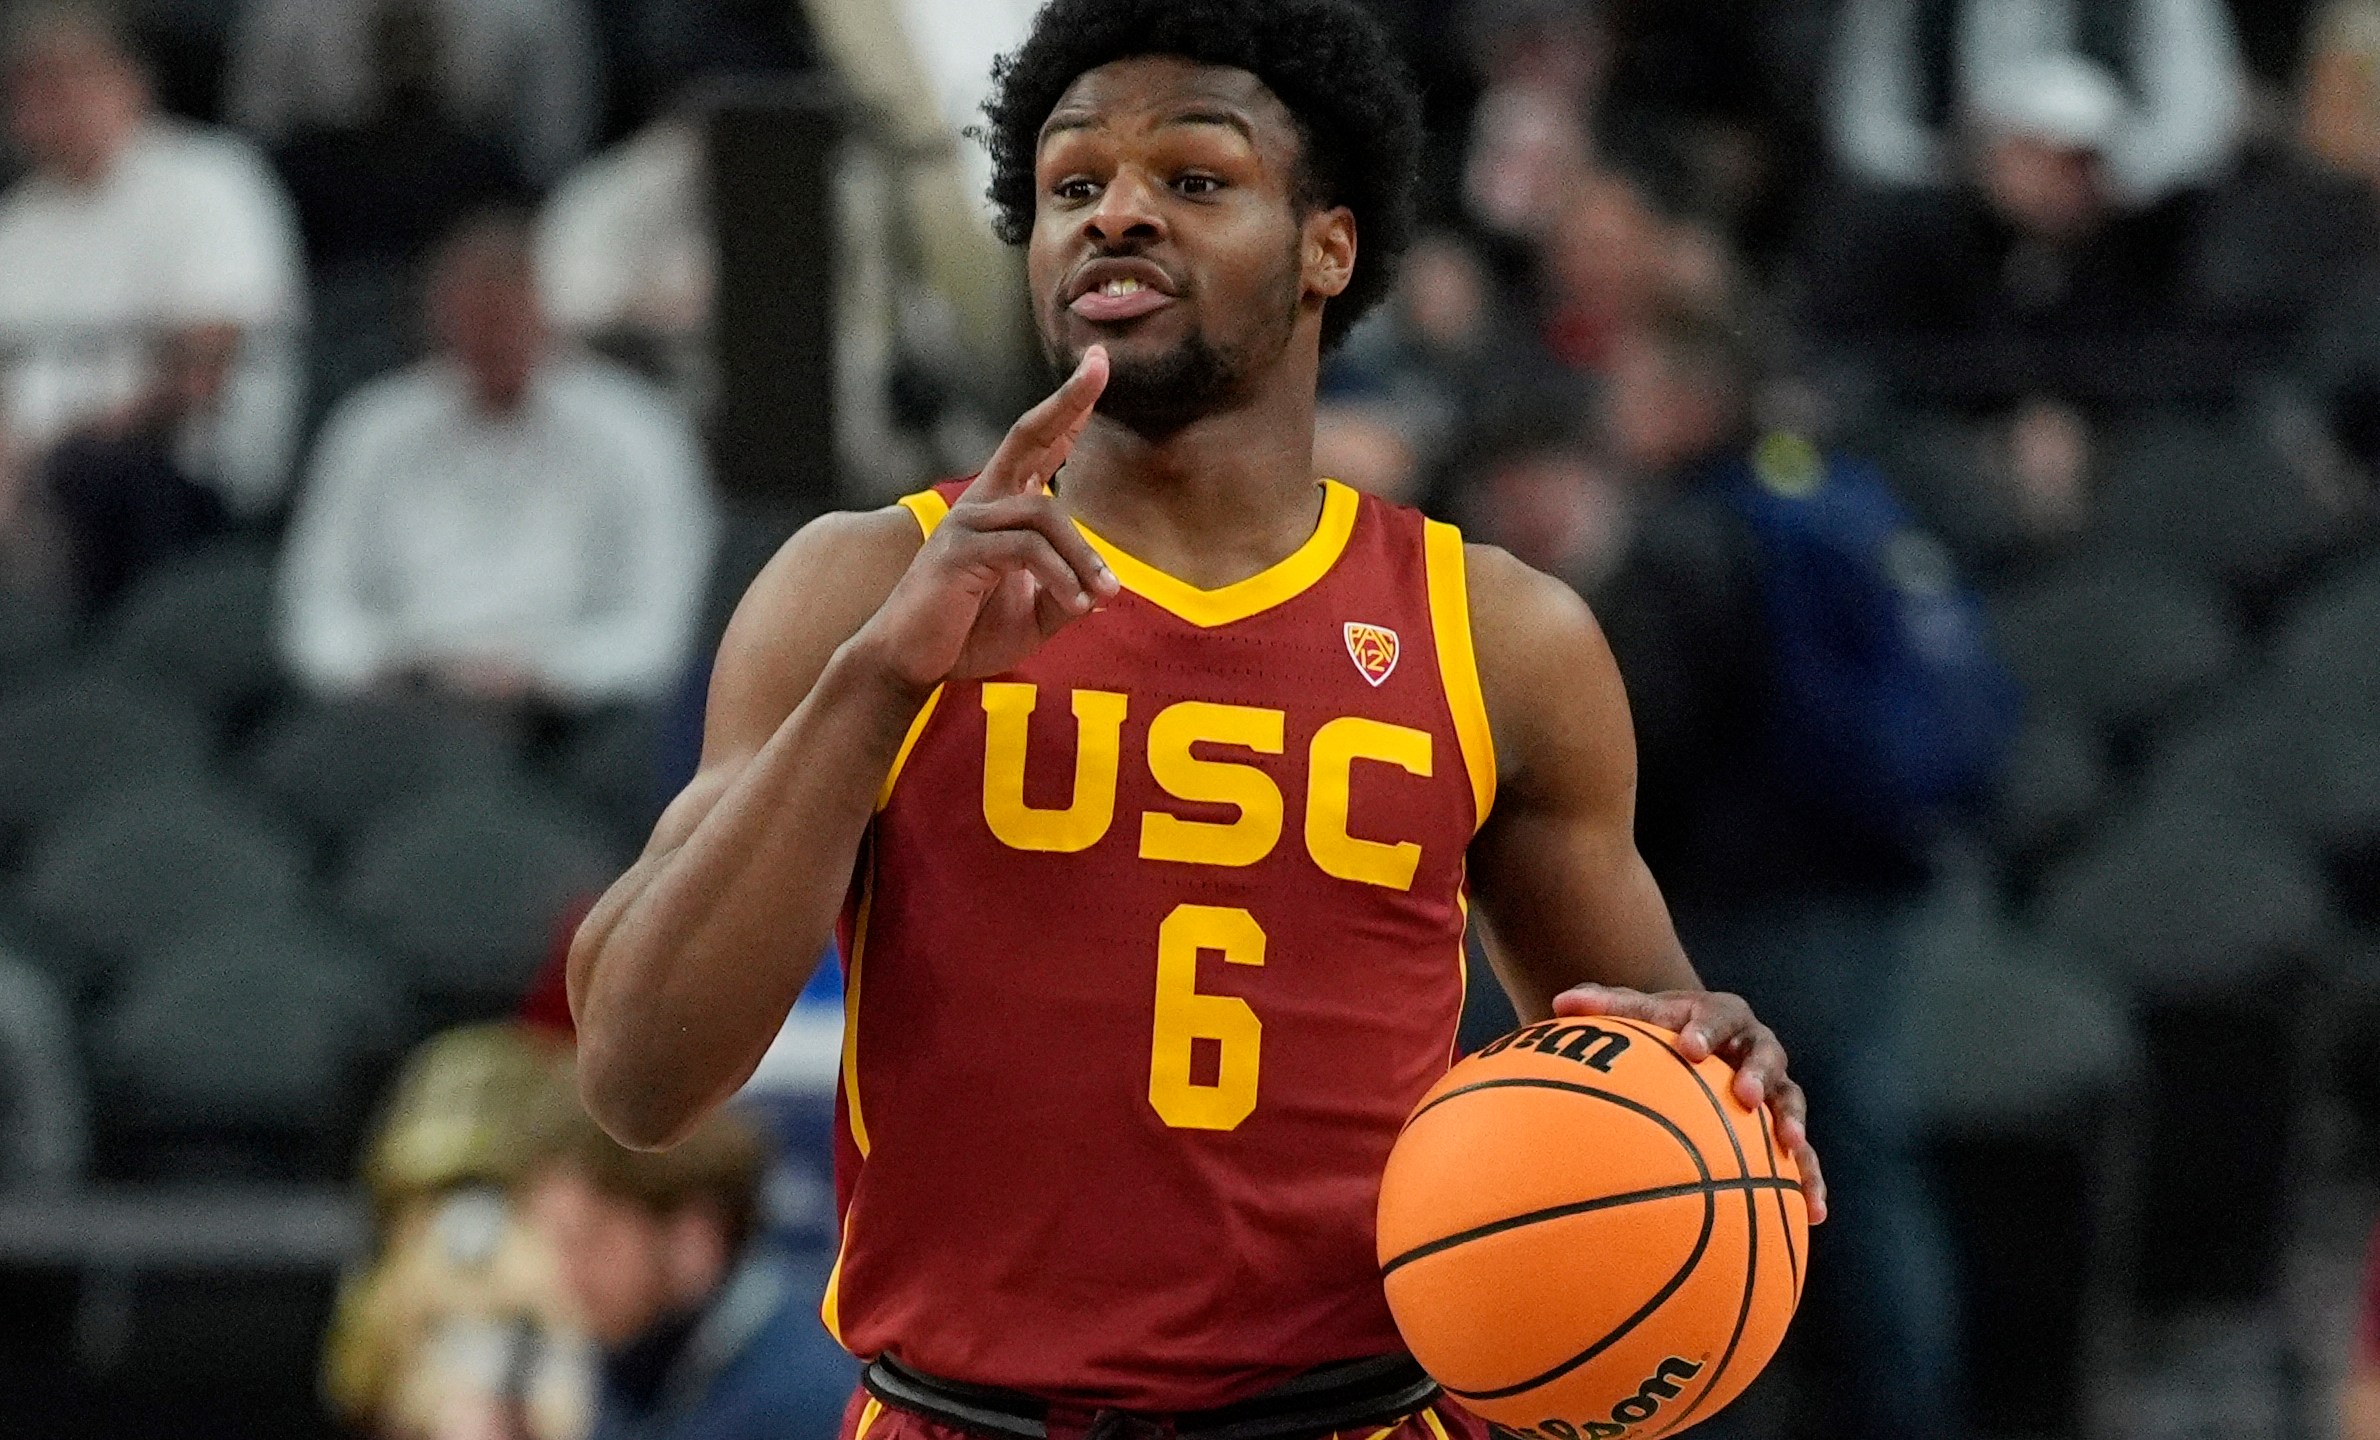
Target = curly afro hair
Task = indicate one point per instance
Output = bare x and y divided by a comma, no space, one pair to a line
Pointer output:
1358,112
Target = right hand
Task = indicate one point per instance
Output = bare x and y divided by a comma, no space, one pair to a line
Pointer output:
1007,569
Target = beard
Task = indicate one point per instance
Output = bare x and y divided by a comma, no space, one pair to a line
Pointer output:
1159,394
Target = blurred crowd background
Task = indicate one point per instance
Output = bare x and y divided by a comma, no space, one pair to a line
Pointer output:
394,395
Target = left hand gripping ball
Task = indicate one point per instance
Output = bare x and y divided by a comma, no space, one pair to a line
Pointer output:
1585,1237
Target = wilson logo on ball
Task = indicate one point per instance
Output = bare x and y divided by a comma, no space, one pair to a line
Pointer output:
1665,1383
1374,650
1590,1045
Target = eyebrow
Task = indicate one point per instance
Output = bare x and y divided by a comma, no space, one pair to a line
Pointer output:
1224,117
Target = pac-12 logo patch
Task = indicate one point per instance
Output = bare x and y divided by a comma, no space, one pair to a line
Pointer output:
1373,648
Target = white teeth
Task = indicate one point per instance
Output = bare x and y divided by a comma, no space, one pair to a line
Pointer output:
1121,286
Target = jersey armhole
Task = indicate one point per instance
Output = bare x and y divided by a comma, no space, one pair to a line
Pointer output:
1458,662
927,507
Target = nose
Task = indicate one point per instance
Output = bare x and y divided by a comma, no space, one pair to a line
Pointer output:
1127,212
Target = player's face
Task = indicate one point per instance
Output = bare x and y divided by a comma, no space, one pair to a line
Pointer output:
1169,230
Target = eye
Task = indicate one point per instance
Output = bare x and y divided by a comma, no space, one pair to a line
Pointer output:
1198,185
1075,189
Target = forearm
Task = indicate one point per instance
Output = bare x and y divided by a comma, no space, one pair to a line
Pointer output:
2359,1411
1553,927
683,973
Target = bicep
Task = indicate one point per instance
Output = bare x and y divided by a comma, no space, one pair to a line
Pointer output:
1560,882
817,592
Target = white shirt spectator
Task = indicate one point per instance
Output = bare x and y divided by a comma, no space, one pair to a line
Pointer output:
523,72
2184,70
571,538
188,227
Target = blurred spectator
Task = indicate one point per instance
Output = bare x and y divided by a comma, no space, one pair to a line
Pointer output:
2359,1416
2029,280
1687,95
382,190
1783,890
1908,70
503,520
1436,356
2339,116
149,291
460,1326
706,1334
625,254
1365,446
521,72
1528,151
1613,260
1538,488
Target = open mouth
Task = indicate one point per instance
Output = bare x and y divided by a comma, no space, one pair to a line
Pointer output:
1122,298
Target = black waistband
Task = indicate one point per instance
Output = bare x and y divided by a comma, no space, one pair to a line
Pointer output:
1335,1397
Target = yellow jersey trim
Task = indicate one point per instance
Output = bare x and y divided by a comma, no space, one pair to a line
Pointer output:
1260,592
927,507
1458,663
868,1414
917,730
851,982
1437,1426
1462,965
830,1309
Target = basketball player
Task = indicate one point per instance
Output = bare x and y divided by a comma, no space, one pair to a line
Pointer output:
1146,774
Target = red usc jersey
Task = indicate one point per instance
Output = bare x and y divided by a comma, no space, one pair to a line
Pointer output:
1155,942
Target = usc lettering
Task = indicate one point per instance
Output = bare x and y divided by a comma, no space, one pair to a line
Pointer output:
1247,838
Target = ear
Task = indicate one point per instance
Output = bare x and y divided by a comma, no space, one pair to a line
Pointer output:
1327,252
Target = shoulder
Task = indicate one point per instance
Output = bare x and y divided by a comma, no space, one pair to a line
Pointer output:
204,162
815,593
393,407
840,565
1516,610
1545,670
846,545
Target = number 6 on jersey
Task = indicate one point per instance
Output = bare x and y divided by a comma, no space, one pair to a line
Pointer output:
1184,1015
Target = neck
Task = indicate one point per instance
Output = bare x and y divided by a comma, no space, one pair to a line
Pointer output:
1220,499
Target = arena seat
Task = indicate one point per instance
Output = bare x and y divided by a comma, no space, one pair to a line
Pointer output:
2056,779
335,766
257,1038
1935,463
142,866
45,1110
203,627
2218,932
612,760
2213,495
33,629
2277,759
86,731
2118,641
2324,645
462,887
2177,896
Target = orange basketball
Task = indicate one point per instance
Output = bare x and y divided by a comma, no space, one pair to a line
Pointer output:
1584,1236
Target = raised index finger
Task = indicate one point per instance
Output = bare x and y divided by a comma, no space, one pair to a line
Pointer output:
1037,444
